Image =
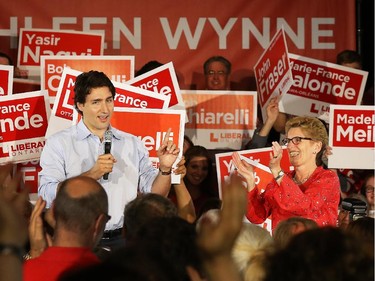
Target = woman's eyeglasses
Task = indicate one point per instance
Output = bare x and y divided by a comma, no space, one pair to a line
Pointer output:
369,189
295,140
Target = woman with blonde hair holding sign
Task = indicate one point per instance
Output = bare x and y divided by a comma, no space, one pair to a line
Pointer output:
309,191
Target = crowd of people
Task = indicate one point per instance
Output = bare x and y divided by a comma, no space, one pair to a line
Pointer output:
109,214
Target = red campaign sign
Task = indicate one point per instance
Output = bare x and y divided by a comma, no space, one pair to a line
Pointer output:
65,104
151,126
354,128
23,117
326,82
272,71
117,68
6,80
24,121
352,137
225,165
34,43
30,174
188,36
126,96
161,80
129,96
63,113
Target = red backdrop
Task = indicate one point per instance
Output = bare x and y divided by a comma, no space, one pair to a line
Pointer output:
188,32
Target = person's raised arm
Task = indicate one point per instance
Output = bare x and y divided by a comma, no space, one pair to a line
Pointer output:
245,170
39,239
279,124
275,162
272,112
13,233
167,154
185,204
216,240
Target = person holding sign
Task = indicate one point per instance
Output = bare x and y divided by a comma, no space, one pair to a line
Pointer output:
117,160
309,191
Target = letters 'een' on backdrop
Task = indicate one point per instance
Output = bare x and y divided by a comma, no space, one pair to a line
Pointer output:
318,84
23,122
117,68
220,119
6,80
225,167
352,137
150,126
187,35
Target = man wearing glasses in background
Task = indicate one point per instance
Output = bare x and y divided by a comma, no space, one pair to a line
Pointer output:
217,73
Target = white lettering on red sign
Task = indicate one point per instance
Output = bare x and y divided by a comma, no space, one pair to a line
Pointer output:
154,143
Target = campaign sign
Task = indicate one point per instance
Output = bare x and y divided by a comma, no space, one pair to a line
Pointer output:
117,68
162,80
352,137
318,84
151,126
6,79
259,159
30,174
64,114
34,43
133,97
23,123
272,71
220,119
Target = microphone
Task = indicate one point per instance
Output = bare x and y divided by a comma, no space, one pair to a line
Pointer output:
107,147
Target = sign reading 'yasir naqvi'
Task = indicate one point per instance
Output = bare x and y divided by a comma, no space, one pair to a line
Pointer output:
33,43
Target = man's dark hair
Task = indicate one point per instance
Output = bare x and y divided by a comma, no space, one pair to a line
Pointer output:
78,214
148,67
323,254
4,55
221,59
173,240
145,208
348,56
87,81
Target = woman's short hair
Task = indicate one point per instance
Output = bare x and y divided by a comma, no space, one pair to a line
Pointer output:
313,128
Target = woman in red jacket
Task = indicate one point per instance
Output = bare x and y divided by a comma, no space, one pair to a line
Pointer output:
309,191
